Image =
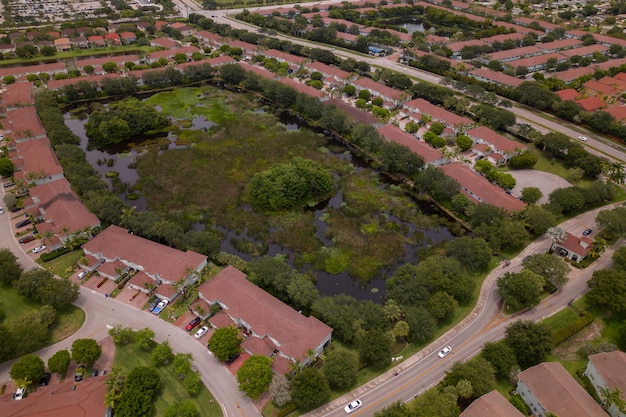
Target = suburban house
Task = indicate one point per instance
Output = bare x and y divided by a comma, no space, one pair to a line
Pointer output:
489,76
61,213
573,247
608,370
380,90
62,44
17,95
292,60
430,155
492,404
206,38
479,189
115,252
438,114
270,327
332,75
549,388
23,124
497,143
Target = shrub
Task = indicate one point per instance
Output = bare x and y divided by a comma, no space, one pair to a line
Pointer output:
45,257
565,333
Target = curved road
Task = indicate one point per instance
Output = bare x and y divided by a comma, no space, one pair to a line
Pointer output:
402,383
102,312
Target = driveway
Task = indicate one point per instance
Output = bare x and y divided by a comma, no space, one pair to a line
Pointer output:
545,181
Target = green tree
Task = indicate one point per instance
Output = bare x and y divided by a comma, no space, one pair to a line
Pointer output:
464,142
9,79
619,258
182,409
28,368
478,371
109,67
553,269
375,348
122,335
309,388
86,351
10,268
162,354
182,364
59,362
530,342
436,403
144,338
422,324
255,375
340,369
364,95
608,289
474,253
349,90
442,306
531,195
613,222
225,342
501,357
525,160
520,290
6,167
538,219
193,383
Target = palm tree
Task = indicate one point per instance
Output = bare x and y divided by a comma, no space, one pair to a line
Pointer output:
114,385
127,214
614,172
612,397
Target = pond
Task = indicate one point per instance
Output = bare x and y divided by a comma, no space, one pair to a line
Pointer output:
123,160
411,24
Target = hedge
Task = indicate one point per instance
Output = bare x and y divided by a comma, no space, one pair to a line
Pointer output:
287,409
565,333
45,257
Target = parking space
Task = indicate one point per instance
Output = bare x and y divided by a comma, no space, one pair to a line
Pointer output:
133,297
545,181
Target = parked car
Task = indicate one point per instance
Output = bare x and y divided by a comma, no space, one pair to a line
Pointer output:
353,406
94,372
162,304
82,275
232,359
19,394
8,184
1,210
22,223
39,249
27,239
80,372
563,252
192,324
201,332
587,232
444,352
45,379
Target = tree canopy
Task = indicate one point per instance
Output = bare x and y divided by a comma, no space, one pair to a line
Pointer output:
225,342
59,362
28,369
255,375
309,388
608,289
340,369
530,341
86,351
520,289
285,186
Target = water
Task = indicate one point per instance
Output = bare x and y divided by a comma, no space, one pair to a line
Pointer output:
411,25
327,284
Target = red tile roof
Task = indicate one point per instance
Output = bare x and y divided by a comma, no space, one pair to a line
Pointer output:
258,70
438,113
303,88
573,73
614,82
492,404
23,123
585,50
282,56
421,148
599,87
60,400
611,366
567,94
266,315
164,42
498,141
511,53
187,50
590,103
56,84
37,158
155,259
558,392
365,83
20,93
618,112
497,77
328,70
537,60
480,189
560,44
578,245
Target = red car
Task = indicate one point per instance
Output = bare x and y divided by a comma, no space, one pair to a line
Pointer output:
192,324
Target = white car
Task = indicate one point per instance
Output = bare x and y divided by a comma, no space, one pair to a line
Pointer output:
1,210
583,138
201,332
444,352
353,406
160,307
39,249
19,394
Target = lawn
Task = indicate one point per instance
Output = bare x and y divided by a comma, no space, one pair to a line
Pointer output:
63,266
553,166
172,390
68,320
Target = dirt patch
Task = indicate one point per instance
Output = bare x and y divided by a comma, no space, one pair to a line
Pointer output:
567,350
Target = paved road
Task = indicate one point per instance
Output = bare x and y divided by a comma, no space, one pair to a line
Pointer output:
485,323
102,312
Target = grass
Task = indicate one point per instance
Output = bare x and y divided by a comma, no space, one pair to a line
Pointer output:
554,166
172,390
67,322
63,266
